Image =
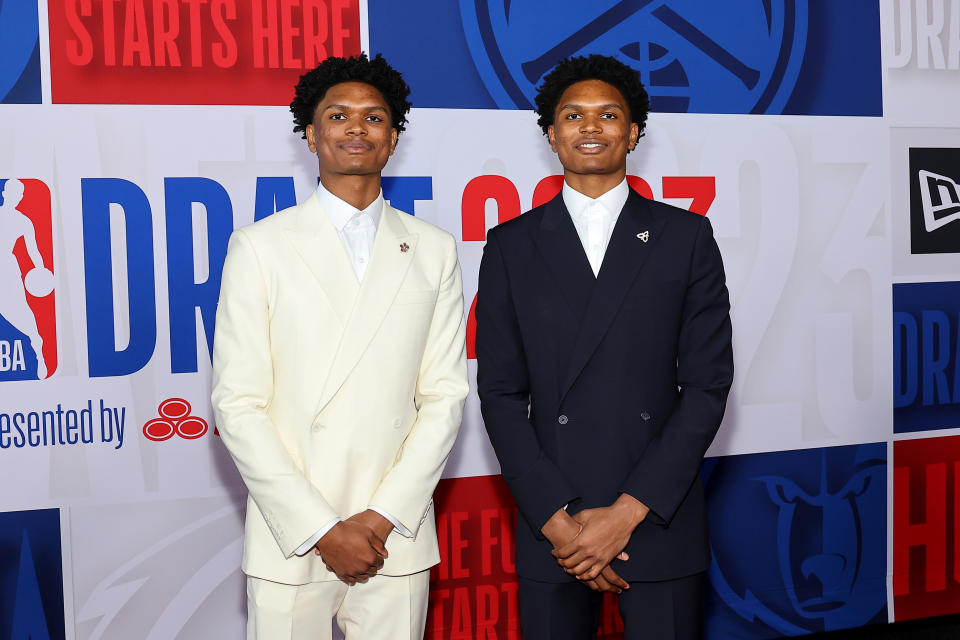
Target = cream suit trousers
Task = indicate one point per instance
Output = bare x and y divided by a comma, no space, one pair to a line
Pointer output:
383,608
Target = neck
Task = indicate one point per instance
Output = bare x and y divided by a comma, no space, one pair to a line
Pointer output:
357,191
594,185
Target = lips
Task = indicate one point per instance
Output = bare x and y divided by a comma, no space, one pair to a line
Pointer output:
356,146
590,146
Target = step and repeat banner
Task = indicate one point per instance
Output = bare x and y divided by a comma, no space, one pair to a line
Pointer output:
821,138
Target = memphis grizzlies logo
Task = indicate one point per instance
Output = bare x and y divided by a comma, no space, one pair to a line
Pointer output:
28,327
738,56
799,541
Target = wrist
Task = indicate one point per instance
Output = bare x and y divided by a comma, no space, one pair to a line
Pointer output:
560,528
636,510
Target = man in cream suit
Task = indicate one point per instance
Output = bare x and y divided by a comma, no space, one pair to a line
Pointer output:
339,377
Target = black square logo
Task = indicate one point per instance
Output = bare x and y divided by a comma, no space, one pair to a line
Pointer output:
934,200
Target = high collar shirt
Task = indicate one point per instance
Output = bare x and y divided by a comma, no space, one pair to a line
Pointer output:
356,229
594,218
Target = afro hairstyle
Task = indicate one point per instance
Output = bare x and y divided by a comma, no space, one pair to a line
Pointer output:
593,67
377,73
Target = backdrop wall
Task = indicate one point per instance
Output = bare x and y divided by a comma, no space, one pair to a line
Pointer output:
821,138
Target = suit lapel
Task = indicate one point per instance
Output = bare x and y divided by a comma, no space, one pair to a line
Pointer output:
394,249
316,242
560,247
624,257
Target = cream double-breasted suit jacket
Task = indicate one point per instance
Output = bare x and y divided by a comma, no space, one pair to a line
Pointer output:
331,395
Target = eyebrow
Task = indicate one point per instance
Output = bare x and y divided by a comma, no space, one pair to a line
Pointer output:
345,107
579,107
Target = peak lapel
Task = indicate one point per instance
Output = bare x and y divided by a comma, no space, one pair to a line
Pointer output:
559,245
625,256
315,240
389,264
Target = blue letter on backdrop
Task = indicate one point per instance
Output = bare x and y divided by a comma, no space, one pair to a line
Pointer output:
104,359
186,294
273,194
401,191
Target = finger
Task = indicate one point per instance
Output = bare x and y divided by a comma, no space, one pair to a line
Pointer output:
606,586
592,584
613,578
590,573
623,555
378,545
575,559
567,550
585,567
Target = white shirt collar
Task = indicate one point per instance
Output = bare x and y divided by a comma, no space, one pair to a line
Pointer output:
340,211
612,201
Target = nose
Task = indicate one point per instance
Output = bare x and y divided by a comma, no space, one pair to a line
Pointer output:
590,125
357,126
828,568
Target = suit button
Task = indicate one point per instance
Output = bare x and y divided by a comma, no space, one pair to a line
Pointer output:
563,419
644,416
396,423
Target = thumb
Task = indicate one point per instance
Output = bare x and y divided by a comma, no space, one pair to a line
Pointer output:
378,545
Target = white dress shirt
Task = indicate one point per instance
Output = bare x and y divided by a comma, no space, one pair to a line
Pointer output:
594,218
357,231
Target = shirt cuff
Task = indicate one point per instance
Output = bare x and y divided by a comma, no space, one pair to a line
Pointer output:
397,526
306,546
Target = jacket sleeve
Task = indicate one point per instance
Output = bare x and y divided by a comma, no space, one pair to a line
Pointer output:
668,466
242,391
442,387
504,388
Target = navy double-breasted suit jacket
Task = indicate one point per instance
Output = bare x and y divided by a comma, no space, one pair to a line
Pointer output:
595,386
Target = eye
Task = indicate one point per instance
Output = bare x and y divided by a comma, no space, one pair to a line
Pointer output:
858,484
374,118
572,116
608,116
782,490
338,116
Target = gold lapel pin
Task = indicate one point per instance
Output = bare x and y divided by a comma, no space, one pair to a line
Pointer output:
404,247
644,235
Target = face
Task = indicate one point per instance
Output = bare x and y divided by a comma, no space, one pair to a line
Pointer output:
591,130
351,131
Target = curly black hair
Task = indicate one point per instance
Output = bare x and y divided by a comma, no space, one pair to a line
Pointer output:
593,67
377,73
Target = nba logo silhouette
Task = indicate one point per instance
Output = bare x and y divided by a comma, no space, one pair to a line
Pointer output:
28,324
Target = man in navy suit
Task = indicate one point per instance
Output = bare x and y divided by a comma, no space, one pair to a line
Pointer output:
604,362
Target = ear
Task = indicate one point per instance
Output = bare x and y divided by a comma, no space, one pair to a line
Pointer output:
634,135
552,137
394,135
311,143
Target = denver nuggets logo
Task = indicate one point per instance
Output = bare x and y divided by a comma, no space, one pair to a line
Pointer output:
28,348
739,56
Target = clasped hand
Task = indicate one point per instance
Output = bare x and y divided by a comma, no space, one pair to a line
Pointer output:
354,549
600,536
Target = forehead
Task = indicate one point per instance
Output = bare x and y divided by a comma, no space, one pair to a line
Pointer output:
591,92
353,94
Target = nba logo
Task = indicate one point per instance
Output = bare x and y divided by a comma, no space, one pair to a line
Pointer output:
28,326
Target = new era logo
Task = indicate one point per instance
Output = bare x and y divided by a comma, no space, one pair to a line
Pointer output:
934,200
941,200
28,324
